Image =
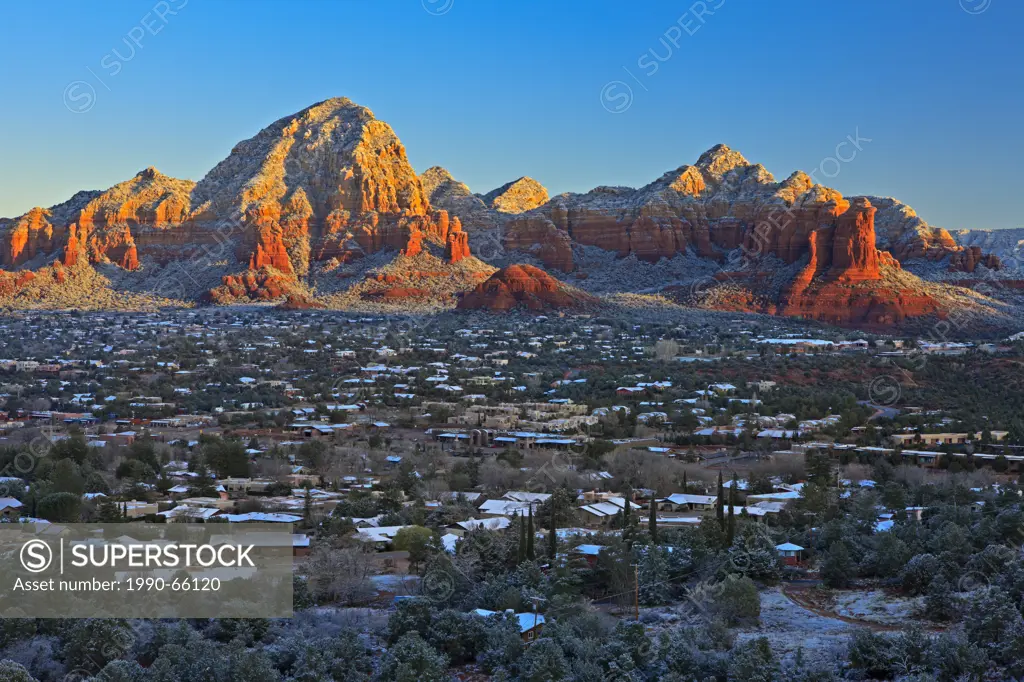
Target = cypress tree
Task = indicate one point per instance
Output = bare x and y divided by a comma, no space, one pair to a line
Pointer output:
720,504
521,554
652,522
730,532
627,515
552,534
686,487
529,536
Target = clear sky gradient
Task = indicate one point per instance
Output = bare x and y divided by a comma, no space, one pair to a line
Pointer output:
495,90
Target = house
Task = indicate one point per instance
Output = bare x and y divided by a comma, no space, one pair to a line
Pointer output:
526,497
462,527
503,508
530,624
685,502
448,541
604,513
300,544
933,439
10,508
789,553
785,497
588,552
380,536
262,517
189,513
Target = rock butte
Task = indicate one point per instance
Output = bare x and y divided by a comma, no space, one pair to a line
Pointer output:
523,286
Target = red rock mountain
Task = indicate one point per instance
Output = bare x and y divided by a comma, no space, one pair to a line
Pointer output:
710,208
328,184
523,286
294,211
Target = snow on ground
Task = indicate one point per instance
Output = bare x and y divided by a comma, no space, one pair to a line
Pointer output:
876,606
790,627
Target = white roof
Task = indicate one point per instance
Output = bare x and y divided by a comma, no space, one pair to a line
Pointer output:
484,524
507,507
520,496
527,621
264,517
193,512
685,498
379,534
448,541
590,550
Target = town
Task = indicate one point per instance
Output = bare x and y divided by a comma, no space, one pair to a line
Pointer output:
527,472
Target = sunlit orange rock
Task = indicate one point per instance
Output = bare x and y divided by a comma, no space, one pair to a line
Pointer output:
968,260
526,286
457,247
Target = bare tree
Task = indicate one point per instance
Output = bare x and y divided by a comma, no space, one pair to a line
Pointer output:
340,575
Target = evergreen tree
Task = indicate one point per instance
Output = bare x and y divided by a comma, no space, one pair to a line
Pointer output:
529,536
521,554
730,528
720,504
552,533
627,515
652,522
940,602
109,512
838,568
307,506
686,487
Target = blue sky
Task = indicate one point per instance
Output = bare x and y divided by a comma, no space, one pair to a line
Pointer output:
495,90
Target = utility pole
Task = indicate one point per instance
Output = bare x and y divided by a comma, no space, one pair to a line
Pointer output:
535,601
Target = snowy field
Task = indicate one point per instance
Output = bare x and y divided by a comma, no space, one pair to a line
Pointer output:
790,627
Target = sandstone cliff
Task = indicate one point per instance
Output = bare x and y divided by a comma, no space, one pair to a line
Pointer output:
710,208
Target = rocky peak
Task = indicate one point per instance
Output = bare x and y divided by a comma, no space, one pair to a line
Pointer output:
439,185
343,158
517,196
689,181
719,160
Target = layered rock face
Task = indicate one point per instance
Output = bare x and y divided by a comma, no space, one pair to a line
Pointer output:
31,234
708,208
523,286
330,182
102,227
290,209
902,232
842,281
712,207
969,258
1007,245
